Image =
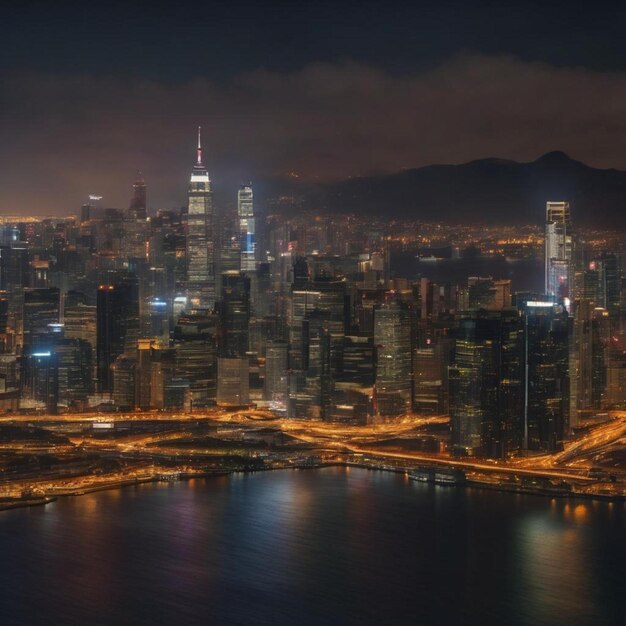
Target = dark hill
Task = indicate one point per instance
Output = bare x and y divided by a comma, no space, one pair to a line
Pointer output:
483,191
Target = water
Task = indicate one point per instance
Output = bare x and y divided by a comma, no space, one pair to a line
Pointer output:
524,274
331,546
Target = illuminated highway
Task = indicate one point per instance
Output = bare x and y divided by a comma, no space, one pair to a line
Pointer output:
76,453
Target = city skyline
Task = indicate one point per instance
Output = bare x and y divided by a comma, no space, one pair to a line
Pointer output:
313,313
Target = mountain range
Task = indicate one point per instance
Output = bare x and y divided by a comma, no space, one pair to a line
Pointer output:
480,192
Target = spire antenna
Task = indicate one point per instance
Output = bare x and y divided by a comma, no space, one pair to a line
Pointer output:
199,146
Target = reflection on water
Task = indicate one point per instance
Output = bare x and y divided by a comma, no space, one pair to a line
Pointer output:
312,547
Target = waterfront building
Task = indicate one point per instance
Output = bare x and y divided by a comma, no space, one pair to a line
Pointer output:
486,385
547,330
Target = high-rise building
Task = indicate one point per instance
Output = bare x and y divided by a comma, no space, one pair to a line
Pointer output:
196,358
547,376
558,250
233,382
392,339
430,380
138,207
276,387
43,378
486,384
117,325
247,231
234,309
41,308
79,318
200,238
74,364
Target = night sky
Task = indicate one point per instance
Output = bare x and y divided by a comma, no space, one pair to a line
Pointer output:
91,93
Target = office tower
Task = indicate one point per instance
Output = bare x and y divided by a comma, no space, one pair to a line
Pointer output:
486,385
41,308
117,325
352,386
85,213
167,250
138,205
261,294
264,329
547,374
79,318
200,238
135,226
247,231
276,384
233,382
392,339
430,379
301,303
124,374
74,365
358,361
234,313
14,268
609,271
195,343
5,339
146,353
311,397
158,322
588,358
109,335
558,250
228,253
482,293
166,391
42,378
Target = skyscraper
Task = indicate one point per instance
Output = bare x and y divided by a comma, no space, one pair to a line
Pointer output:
546,374
117,325
234,310
247,233
41,308
137,209
486,385
392,339
558,250
200,238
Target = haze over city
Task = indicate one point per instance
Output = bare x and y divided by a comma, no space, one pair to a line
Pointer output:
90,95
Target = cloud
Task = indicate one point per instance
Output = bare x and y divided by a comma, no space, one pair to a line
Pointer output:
66,136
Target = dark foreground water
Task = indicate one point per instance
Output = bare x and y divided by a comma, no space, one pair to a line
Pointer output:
330,546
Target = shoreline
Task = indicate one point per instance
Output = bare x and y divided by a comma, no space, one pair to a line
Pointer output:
186,476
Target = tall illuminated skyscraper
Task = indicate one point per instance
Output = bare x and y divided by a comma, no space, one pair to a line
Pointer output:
200,238
558,250
247,235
